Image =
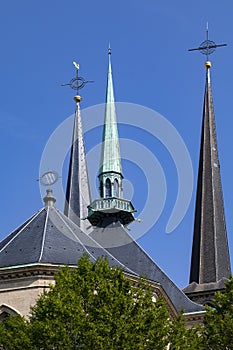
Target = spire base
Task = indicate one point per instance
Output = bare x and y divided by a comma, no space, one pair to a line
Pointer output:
119,209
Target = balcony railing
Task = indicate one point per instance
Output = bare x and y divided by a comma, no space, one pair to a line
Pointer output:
112,204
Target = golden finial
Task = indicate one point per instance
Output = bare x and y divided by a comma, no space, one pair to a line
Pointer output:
208,64
77,98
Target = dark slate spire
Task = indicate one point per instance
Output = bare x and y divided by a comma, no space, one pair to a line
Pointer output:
210,262
77,191
110,175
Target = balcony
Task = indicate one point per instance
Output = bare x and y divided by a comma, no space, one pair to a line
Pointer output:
119,209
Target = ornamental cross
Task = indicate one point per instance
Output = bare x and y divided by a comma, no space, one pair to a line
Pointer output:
207,47
77,83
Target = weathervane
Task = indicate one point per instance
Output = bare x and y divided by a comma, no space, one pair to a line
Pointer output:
49,178
77,83
207,47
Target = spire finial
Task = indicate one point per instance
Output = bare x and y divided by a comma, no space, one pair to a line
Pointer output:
48,179
77,83
207,47
109,49
49,199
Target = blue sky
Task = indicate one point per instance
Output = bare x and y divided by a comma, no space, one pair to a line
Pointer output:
152,67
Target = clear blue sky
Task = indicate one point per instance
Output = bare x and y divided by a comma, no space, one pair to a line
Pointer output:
152,67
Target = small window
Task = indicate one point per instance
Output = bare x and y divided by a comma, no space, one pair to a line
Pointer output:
108,188
116,188
101,189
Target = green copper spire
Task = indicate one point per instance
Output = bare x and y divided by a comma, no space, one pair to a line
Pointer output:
110,163
110,175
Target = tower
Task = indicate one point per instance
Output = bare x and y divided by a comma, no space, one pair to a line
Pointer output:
110,172
210,262
111,202
77,190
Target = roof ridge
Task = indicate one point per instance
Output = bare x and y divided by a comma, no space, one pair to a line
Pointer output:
22,228
75,235
44,234
98,245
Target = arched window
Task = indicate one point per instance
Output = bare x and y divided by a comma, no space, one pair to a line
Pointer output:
108,188
116,188
6,311
101,189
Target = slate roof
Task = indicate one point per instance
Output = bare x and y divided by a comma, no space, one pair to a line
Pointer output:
113,237
210,254
50,237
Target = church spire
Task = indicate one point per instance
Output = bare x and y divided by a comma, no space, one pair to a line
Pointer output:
111,203
210,255
210,262
77,190
110,172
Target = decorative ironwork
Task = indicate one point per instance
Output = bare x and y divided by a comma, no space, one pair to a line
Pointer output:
207,47
111,204
77,83
49,178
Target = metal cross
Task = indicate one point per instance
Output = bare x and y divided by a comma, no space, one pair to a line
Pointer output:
207,47
77,83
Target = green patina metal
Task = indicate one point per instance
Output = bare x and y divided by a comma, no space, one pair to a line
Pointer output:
110,203
110,154
120,209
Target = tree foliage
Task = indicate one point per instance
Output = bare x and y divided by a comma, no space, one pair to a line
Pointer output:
96,307
182,338
218,323
14,334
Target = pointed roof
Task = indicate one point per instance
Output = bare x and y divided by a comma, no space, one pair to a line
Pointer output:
52,238
77,190
110,154
210,254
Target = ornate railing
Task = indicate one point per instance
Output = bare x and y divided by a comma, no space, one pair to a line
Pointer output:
111,204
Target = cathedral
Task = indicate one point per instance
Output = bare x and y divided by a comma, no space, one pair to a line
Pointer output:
31,254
